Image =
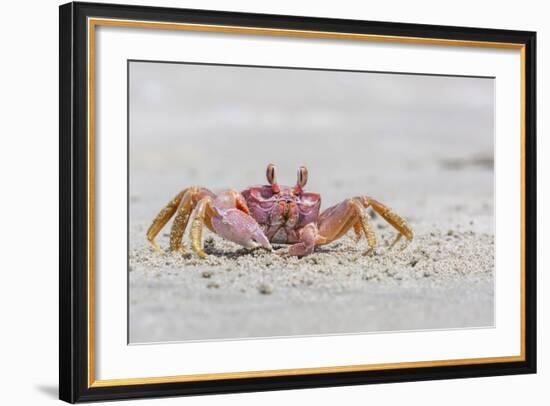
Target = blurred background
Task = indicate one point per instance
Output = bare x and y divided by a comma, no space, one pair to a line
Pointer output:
393,136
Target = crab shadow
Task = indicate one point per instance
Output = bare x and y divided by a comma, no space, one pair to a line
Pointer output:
279,250
243,252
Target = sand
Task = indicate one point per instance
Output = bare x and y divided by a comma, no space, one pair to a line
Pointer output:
443,279
422,145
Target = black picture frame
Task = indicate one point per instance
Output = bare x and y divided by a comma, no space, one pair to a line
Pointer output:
73,255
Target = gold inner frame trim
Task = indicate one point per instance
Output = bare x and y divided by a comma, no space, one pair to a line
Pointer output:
299,371
93,22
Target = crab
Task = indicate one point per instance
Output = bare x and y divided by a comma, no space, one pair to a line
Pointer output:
261,215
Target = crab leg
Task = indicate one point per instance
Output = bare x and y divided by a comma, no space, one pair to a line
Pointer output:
358,230
365,226
390,216
183,203
335,221
162,218
188,203
196,227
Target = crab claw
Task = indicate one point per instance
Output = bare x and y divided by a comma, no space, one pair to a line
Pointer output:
237,226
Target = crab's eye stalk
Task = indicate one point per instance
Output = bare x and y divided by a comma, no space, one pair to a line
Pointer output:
270,173
302,178
272,178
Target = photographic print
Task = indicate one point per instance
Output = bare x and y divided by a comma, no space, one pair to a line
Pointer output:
254,202
282,202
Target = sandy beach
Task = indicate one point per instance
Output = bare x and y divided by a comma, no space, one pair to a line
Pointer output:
422,146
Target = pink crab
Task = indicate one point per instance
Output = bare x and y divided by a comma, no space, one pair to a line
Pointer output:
261,215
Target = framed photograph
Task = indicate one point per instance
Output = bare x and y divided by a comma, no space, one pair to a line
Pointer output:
256,202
